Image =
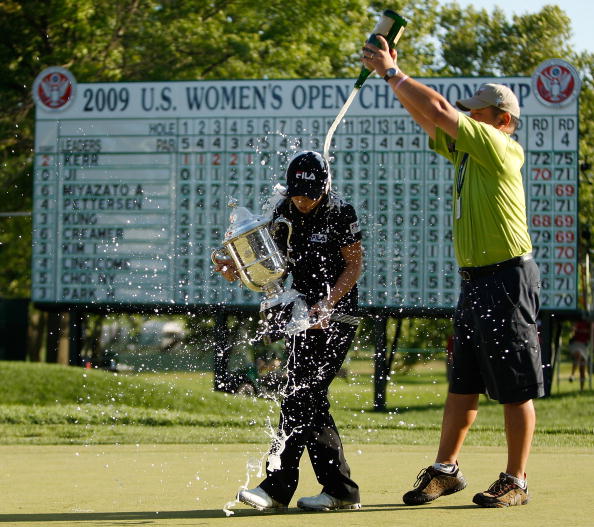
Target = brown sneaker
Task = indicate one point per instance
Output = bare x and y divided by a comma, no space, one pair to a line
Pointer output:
432,483
505,492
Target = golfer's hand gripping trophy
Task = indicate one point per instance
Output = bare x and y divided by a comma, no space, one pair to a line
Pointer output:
250,247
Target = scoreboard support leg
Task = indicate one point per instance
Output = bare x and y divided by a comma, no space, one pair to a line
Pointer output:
550,333
222,350
75,343
383,359
57,338
380,360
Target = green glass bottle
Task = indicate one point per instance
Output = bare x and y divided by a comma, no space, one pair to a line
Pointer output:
390,26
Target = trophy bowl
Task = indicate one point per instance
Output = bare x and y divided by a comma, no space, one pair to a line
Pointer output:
261,265
248,242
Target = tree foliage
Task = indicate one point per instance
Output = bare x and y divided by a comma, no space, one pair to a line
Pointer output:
149,40
482,43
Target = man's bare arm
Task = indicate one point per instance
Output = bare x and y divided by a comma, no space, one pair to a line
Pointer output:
426,106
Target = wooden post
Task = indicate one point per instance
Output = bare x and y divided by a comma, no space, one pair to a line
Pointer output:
546,351
222,350
75,341
57,338
380,375
37,326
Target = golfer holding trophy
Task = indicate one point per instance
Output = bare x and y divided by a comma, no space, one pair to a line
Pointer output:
314,236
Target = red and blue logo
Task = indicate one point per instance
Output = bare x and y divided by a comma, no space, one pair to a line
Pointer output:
54,89
556,82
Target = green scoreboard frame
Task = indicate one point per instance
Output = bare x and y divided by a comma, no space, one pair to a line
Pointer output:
132,181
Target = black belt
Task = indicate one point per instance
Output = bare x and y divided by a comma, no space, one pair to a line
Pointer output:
472,273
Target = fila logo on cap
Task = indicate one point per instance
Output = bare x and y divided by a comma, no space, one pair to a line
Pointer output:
305,175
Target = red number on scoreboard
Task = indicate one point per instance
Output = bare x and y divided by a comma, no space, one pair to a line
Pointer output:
564,190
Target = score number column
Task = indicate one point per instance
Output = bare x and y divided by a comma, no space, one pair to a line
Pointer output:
552,206
200,209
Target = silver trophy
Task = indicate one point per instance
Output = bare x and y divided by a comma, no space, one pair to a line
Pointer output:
249,243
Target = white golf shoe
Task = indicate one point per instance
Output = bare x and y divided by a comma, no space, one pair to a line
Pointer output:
325,502
259,499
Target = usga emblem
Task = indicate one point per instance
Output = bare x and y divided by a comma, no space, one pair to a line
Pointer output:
556,82
54,89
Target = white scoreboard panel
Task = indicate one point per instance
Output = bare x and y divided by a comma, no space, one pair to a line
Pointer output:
132,182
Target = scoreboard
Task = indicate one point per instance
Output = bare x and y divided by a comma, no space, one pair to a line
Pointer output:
132,180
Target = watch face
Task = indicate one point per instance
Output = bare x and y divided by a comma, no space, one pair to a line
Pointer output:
390,72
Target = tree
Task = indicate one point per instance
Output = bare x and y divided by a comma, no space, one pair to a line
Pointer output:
482,43
149,40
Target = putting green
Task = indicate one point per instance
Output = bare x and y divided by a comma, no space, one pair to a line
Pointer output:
187,485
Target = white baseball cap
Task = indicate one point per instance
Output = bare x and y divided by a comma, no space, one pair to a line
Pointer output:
496,95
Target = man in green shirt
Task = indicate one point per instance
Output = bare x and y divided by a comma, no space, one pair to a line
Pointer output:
496,348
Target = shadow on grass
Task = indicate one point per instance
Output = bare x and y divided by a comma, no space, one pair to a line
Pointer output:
197,514
400,410
123,516
483,401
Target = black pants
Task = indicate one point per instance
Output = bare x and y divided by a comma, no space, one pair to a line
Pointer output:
314,359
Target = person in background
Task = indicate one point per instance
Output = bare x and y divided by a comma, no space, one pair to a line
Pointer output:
325,260
578,349
496,348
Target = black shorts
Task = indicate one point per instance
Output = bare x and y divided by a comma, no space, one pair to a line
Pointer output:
496,347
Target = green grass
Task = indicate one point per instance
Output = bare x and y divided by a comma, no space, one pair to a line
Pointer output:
52,404
188,485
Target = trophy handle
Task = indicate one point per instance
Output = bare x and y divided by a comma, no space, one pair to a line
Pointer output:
221,253
282,219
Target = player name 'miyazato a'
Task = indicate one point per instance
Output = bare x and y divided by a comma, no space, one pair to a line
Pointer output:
97,189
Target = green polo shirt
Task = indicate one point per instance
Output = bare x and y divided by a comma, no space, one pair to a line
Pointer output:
489,212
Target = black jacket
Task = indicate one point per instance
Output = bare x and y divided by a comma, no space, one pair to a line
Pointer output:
314,251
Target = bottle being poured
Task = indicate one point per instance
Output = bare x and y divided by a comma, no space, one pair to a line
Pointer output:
391,26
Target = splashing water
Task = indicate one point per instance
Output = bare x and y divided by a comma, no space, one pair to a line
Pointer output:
253,465
278,441
278,194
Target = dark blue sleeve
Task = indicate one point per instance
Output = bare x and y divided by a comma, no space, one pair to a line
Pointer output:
348,230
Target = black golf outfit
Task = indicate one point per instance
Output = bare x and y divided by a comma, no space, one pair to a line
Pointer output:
315,356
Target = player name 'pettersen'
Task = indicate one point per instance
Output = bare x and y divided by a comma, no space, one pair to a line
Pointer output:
103,204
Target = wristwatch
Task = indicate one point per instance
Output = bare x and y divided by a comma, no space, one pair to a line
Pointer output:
391,72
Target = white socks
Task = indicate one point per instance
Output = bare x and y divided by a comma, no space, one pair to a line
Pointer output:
450,468
447,468
519,482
